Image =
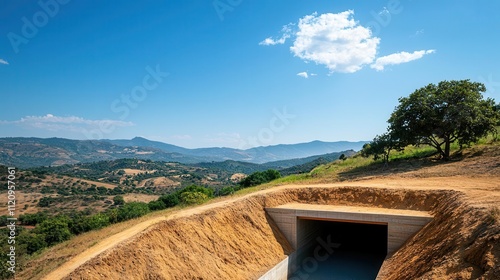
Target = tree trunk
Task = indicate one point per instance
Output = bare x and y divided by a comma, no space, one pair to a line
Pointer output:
447,145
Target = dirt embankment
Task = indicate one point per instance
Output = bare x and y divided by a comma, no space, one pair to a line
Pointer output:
239,241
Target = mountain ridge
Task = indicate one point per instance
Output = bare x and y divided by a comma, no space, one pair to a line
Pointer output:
33,151
262,154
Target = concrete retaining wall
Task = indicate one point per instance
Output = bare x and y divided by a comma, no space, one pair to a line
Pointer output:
281,270
402,224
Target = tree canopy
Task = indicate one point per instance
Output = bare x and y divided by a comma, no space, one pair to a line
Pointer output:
438,115
258,178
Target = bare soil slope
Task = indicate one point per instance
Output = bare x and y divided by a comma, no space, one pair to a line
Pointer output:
235,239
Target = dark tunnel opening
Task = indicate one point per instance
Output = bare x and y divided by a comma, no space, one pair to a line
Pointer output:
339,249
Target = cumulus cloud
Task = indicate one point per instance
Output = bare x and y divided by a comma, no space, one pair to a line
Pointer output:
2,61
286,34
398,58
303,75
338,42
71,123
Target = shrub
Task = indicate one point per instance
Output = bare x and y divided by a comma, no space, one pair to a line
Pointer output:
258,178
227,191
132,210
189,198
33,241
55,230
33,219
156,205
170,200
118,200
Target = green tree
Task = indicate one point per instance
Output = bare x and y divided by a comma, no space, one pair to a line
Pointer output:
112,215
170,200
227,191
438,115
382,145
194,188
97,221
189,198
258,178
132,210
118,200
33,242
55,230
156,205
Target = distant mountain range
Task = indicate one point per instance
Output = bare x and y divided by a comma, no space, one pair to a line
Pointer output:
31,152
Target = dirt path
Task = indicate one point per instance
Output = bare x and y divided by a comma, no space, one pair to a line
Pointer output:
481,192
100,247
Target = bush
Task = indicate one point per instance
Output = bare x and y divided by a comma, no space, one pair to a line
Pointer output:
156,205
97,221
170,200
55,230
33,241
45,201
132,210
112,215
118,200
193,188
258,178
227,191
189,198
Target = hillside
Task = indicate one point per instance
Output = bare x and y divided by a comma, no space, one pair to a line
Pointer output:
254,155
32,152
461,243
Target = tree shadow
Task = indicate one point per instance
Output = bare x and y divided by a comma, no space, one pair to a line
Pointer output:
397,166
280,237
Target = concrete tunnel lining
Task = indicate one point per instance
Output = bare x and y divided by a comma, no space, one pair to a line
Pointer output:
397,226
401,223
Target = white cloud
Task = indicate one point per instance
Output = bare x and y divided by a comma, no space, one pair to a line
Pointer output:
339,43
398,58
286,34
303,75
2,61
336,41
71,123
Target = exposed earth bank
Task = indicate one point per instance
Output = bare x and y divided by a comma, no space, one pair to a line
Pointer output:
235,239
239,241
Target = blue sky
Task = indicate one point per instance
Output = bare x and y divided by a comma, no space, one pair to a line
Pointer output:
234,73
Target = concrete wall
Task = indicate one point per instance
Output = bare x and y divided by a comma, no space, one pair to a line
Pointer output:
306,235
402,224
281,270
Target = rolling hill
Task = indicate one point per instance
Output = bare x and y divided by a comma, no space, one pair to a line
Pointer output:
31,152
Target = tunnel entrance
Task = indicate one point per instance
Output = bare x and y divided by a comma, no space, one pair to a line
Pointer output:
339,249
356,238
